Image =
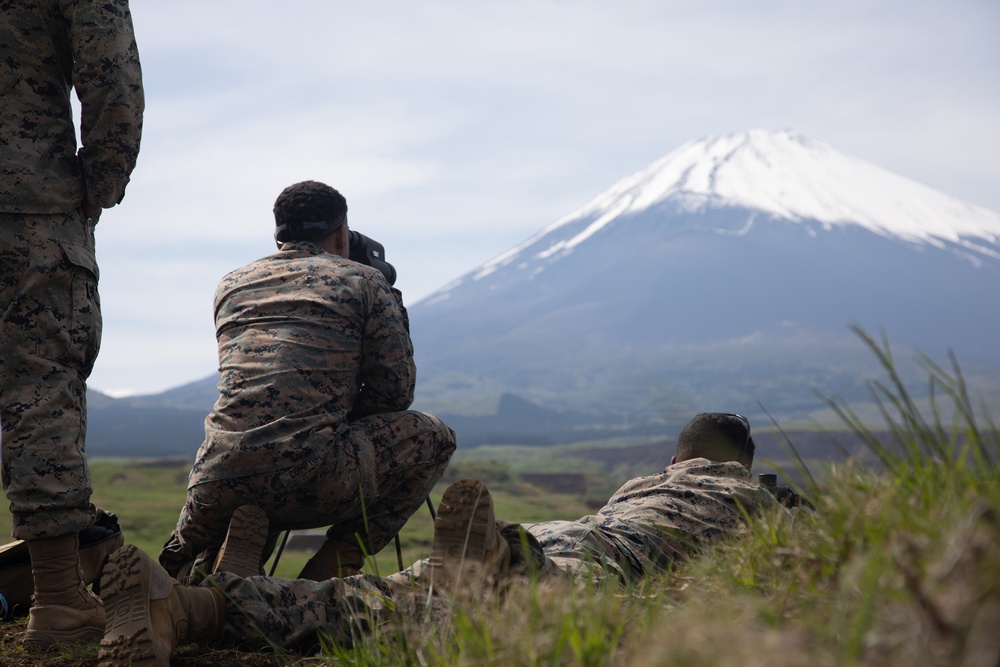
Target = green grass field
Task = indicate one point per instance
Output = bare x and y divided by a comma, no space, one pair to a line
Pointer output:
147,497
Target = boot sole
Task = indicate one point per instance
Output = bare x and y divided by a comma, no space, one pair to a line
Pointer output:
464,532
128,637
243,549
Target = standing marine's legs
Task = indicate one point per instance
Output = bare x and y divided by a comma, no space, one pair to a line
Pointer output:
50,332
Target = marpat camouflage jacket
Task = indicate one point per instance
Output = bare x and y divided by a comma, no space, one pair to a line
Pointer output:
684,507
655,520
308,341
48,47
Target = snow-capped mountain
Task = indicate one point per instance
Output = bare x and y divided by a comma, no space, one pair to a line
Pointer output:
786,175
727,266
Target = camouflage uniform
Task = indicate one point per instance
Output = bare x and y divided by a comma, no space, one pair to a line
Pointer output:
654,520
294,613
316,375
50,317
649,522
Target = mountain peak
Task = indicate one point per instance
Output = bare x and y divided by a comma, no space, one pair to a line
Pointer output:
782,175
790,175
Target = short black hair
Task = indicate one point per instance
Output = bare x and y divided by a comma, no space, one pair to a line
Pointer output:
308,211
719,436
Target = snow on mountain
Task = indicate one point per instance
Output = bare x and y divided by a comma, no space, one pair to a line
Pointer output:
790,175
780,174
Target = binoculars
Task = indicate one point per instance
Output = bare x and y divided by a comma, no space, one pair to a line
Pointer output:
783,494
370,253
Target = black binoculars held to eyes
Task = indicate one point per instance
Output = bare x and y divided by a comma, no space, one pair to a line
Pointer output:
370,253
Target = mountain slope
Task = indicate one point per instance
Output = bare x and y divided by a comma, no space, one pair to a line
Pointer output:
700,261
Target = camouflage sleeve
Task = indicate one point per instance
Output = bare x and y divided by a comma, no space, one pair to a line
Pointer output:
108,82
398,296
388,374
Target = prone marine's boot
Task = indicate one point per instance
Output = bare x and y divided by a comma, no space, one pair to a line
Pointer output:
64,611
334,558
150,614
469,550
243,551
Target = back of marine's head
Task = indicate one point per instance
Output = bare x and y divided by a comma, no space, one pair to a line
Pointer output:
717,436
308,211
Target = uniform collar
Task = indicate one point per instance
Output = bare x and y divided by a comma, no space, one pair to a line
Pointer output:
302,248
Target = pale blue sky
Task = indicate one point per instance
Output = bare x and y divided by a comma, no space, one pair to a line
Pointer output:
456,130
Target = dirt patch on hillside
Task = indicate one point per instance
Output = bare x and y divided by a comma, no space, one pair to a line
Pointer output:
653,456
565,482
162,463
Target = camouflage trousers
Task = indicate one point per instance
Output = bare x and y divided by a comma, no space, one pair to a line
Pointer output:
584,550
410,451
299,614
262,611
50,333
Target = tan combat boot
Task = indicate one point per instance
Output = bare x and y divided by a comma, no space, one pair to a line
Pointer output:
96,543
243,551
334,559
150,614
469,551
63,610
